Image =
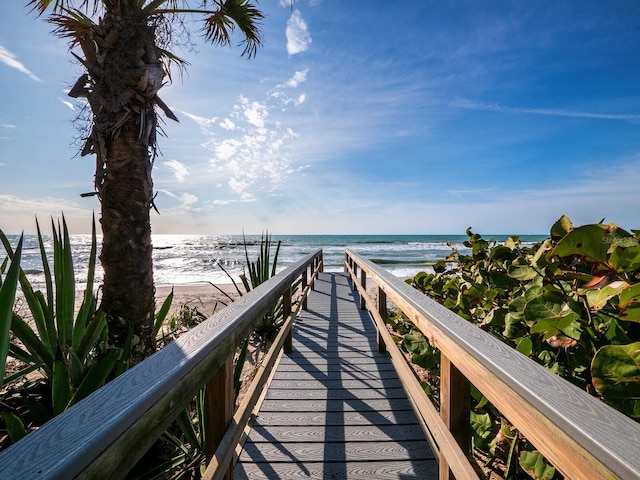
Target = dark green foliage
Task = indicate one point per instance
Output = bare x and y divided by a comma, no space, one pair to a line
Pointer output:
69,351
571,303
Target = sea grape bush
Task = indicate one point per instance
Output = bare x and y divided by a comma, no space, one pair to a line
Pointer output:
571,303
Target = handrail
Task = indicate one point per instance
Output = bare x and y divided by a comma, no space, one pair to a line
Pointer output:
581,436
105,434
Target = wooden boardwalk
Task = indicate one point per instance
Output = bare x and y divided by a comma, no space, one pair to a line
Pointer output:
335,407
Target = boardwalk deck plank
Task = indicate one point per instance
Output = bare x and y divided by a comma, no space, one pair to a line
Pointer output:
335,407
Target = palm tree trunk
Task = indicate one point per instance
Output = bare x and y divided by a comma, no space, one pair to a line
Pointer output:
126,194
123,139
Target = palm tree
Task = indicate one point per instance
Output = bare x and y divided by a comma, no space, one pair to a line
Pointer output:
124,48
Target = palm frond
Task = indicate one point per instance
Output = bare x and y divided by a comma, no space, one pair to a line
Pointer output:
220,25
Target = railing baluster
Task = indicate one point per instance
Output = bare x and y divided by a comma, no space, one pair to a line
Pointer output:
286,311
219,403
304,288
382,310
455,403
363,282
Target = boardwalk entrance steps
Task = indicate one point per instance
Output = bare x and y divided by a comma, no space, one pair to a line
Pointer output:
335,407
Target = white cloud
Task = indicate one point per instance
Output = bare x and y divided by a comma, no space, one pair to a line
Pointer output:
180,170
297,79
298,37
11,60
227,124
494,107
7,125
67,104
3,164
188,200
255,112
204,123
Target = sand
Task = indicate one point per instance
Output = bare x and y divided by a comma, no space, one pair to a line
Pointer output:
204,297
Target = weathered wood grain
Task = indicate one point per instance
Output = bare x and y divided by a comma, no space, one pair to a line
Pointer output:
106,433
336,451
337,433
335,407
383,470
580,435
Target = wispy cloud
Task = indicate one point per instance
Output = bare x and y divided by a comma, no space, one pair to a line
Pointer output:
67,104
180,170
7,125
298,36
494,107
251,147
3,164
11,60
296,79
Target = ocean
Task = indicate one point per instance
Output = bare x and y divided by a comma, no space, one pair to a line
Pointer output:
186,259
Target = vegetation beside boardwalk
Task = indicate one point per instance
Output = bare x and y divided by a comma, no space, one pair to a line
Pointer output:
52,356
571,303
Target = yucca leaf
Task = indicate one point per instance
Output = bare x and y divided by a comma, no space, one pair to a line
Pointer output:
96,376
32,343
76,370
21,373
162,313
68,286
47,271
36,309
275,259
189,431
14,425
92,333
60,388
20,354
88,307
172,439
7,298
237,370
125,355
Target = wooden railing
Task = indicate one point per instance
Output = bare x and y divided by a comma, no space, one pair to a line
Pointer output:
580,435
104,435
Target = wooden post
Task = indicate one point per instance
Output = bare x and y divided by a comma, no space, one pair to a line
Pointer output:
304,288
321,260
286,311
455,404
363,282
382,310
219,401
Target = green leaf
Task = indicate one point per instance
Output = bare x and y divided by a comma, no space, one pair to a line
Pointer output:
525,346
585,241
625,259
615,370
481,430
597,299
630,304
521,270
60,388
535,465
186,426
94,329
561,227
96,376
415,343
162,313
32,343
7,298
15,427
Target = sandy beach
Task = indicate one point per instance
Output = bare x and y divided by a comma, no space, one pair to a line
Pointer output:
202,296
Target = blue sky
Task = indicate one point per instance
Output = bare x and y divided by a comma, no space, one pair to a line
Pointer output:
357,117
